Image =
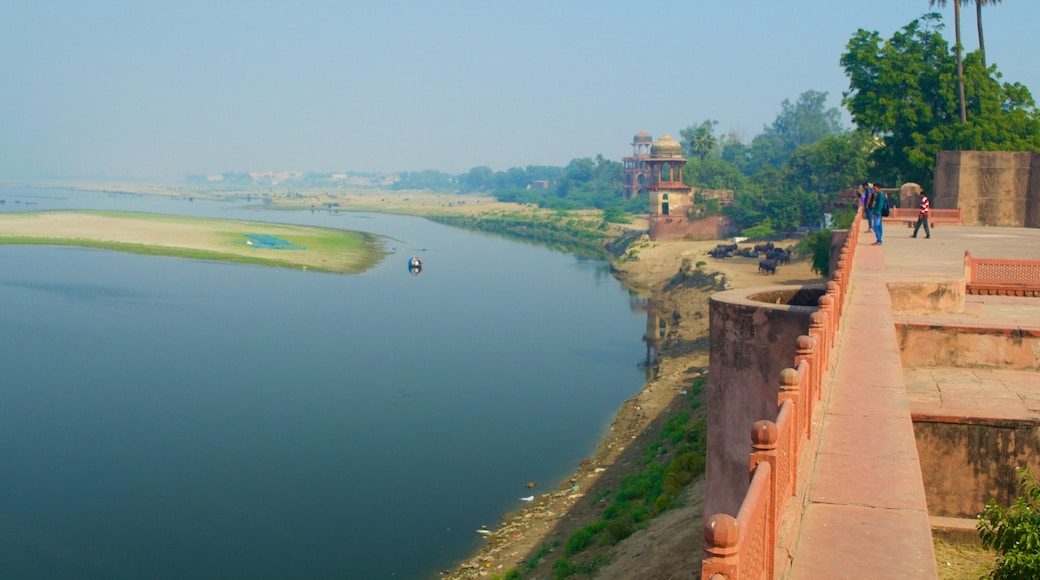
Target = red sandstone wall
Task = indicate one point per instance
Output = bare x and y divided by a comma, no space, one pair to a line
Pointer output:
682,228
751,342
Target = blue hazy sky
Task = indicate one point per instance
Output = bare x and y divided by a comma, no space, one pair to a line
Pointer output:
140,88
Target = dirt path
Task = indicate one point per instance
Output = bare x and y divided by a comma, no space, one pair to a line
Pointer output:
671,546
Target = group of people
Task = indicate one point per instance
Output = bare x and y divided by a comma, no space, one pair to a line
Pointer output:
875,205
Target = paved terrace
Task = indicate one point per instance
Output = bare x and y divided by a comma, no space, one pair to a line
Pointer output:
864,513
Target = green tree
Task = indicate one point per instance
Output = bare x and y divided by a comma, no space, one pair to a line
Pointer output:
713,174
903,90
1014,531
801,123
833,163
830,165
699,140
735,151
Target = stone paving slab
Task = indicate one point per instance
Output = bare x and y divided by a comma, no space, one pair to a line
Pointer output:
864,543
960,394
865,513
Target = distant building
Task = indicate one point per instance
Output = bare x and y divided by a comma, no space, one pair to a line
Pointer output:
636,169
672,201
668,194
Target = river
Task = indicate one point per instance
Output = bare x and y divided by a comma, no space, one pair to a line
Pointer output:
172,418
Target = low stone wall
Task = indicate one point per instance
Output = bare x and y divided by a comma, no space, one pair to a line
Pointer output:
937,296
967,459
668,227
923,344
966,462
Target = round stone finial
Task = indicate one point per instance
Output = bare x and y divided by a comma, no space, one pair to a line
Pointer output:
826,301
721,533
764,434
804,342
788,379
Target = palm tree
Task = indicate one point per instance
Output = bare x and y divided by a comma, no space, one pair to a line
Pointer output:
978,18
956,50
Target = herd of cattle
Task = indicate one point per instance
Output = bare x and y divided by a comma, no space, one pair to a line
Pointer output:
773,257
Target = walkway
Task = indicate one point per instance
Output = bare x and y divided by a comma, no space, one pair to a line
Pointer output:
864,512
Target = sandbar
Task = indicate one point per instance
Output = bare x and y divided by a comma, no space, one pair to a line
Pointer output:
304,247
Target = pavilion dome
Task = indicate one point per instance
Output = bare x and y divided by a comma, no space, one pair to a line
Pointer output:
642,137
666,148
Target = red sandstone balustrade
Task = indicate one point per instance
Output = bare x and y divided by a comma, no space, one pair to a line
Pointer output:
1001,276
743,547
777,444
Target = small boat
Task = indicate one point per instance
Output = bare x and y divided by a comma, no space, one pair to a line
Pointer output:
414,263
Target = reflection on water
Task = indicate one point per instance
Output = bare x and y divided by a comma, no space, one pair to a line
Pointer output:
656,326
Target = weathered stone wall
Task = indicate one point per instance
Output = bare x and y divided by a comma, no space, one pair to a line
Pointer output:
992,188
752,340
963,465
674,227
925,345
927,296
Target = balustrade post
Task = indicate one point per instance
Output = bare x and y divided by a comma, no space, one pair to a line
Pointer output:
818,331
790,391
764,435
840,279
830,320
721,539
807,351
835,293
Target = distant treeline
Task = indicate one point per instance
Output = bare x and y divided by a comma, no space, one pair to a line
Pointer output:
793,172
584,183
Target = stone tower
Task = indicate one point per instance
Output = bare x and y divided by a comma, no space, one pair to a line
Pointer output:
637,171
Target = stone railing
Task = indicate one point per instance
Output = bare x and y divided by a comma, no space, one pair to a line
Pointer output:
745,546
1001,276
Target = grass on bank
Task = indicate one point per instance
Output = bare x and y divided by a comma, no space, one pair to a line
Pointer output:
671,462
320,249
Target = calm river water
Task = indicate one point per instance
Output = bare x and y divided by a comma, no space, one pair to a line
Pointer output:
170,418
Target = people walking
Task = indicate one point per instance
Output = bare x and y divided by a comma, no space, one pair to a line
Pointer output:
879,211
922,217
868,205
